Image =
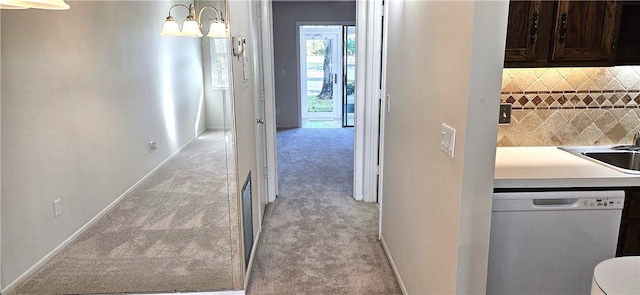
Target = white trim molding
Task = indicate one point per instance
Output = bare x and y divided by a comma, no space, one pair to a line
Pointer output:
383,114
269,98
368,95
393,267
252,258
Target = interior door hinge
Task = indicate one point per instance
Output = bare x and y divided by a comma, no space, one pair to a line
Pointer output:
265,172
259,9
262,95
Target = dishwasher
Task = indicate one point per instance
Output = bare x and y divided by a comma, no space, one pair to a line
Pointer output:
550,242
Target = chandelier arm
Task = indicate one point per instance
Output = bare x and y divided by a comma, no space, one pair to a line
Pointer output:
210,7
176,6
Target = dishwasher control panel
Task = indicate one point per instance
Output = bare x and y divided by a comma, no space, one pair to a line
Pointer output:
558,200
603,203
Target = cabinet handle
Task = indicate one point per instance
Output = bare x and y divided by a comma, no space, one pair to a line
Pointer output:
534,28
563,27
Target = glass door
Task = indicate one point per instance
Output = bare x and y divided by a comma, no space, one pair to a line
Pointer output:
320,72
349,76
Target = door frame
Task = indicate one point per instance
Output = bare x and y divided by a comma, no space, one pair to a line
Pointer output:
259,101
368,36
302,60
269,98
384,109
368,100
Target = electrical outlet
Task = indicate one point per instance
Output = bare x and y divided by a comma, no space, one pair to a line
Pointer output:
57,208
505,114
152,146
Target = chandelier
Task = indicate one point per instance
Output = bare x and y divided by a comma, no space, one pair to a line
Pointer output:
40,4
193,23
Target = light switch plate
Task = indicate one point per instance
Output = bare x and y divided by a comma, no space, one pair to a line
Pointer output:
448,139
505,114
57,208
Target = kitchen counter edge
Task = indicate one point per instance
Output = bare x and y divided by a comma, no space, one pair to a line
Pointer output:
550,167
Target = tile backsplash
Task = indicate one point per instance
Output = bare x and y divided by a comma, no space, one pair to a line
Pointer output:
571,106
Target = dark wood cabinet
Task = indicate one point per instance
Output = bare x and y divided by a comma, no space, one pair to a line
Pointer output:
522,30
584,30
629,239
560,33
627,49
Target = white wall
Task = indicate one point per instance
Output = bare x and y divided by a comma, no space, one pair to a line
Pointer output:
244,101
214,110
485,74
214,96
436,210
285,16
83,92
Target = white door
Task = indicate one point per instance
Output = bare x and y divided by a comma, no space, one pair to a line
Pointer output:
321,72
261,155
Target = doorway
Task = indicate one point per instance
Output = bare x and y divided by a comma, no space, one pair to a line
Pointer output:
286,105
327,75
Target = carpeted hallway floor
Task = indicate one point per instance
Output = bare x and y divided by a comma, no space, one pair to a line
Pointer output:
316,239
172,233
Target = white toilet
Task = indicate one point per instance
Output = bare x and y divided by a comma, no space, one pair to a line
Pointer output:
617,276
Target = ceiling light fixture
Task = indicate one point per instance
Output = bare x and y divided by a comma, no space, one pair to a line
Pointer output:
39,4
191,26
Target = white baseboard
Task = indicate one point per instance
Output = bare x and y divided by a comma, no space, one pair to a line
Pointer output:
251,258
11,286
240,292
393,266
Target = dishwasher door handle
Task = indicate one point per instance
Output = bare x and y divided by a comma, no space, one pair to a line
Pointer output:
555,202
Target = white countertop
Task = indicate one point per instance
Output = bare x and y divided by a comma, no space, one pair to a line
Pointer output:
545,167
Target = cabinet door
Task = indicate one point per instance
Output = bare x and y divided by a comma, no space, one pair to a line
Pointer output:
628,44
631,240
584,30
522,30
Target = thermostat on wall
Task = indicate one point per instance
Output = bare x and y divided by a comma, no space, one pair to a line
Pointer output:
238,45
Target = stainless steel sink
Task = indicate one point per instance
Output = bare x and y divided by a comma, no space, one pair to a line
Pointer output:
622,158
626,148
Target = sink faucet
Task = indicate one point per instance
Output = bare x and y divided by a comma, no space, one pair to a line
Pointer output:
636,140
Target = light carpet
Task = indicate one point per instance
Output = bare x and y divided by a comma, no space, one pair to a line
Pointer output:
316,238
172,233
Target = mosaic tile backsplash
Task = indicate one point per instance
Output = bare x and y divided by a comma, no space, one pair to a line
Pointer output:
571,106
